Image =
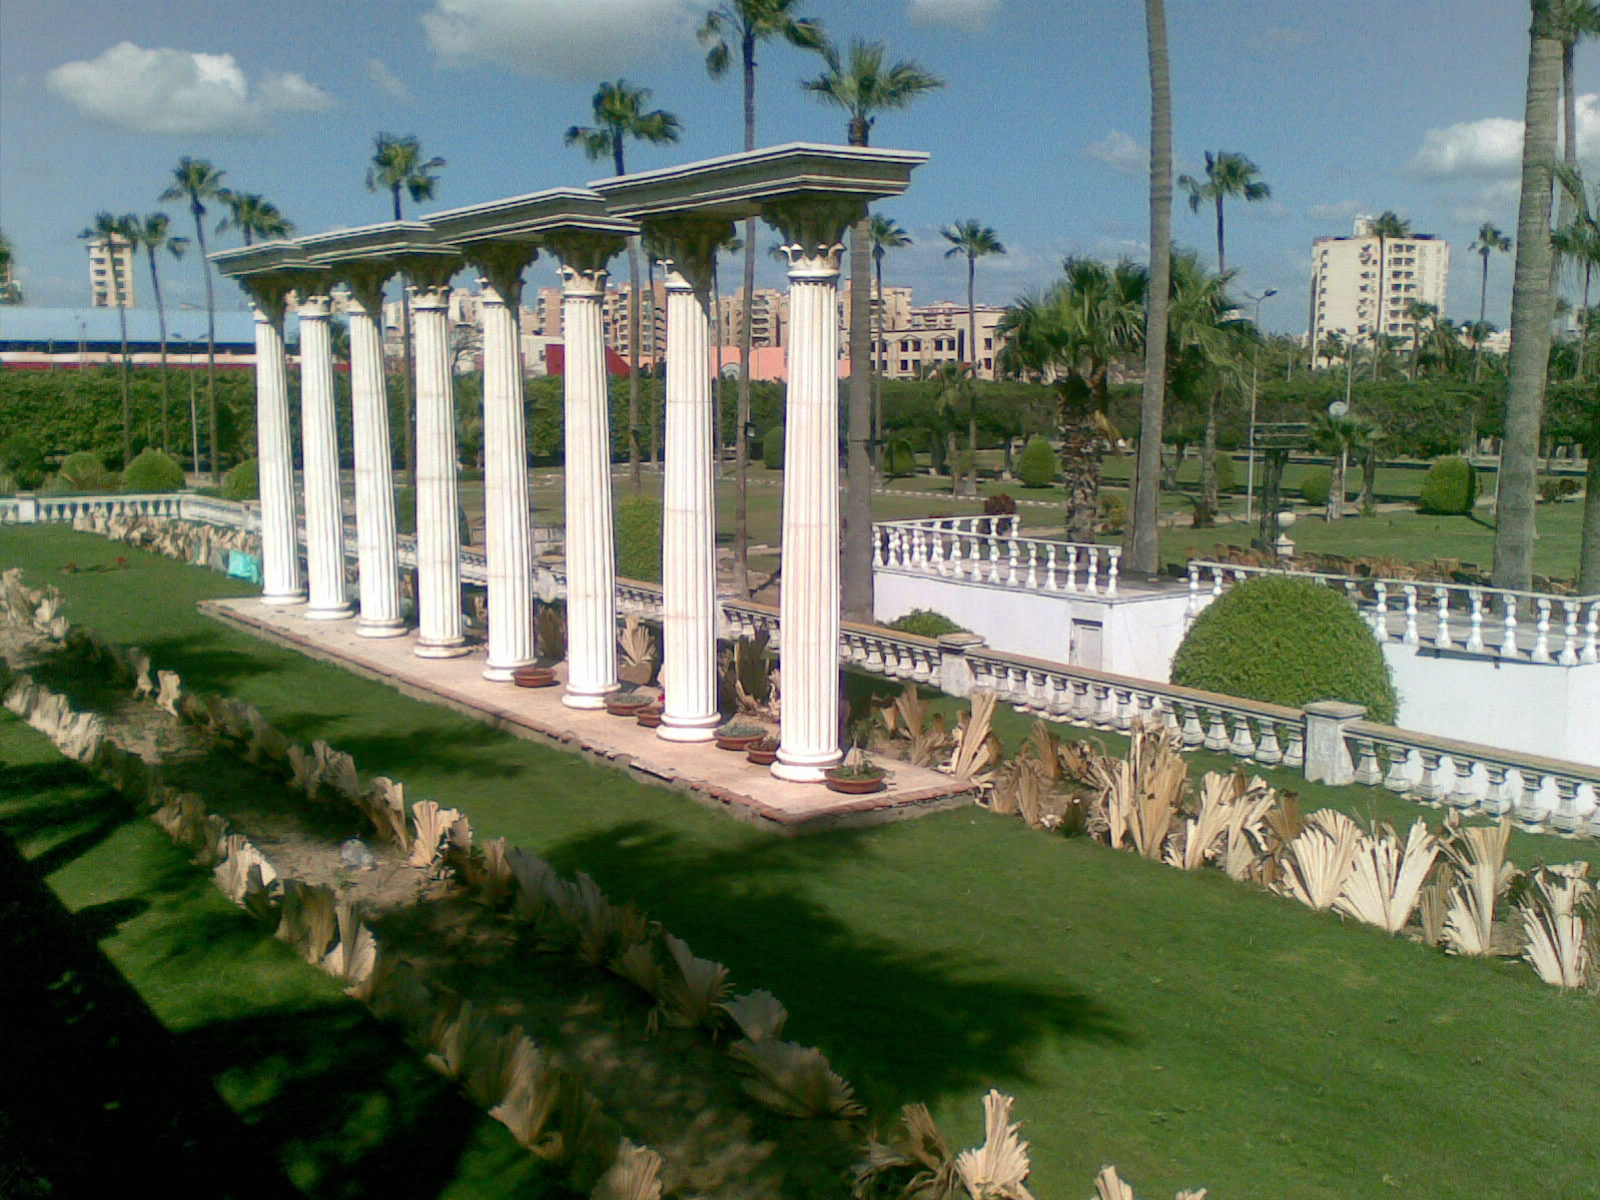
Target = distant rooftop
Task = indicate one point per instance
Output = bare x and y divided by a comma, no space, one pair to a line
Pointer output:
25,327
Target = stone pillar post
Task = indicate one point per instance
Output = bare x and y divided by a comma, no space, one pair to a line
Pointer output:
439,625
1327,752
281,581
507,534
688,534
591,551
319,442
376,552
809,607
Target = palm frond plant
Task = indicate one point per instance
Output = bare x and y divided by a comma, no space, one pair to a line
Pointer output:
635,1174
637,652
1386,877
794,1080
998,1169
1139,795
532,1093
915,1165
1477,857
976,748
306,919
1319,860
1558,912
692,989
433,825
759,1015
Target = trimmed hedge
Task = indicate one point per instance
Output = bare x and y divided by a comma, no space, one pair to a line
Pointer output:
153,470
1038,466
899,459
1287,641
638,529
924,622
772,448
1316,485
82,472
243,482
1450,487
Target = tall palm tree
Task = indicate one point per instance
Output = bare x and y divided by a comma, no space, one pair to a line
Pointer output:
397,166
1141,539
1577,243
619,114
738,26
1419,313
1227,174
1206,345
1388,225
1341,437
112,229
864,86
1531,295
153,234
1489,241
194,181
972,241
1575,20
885,234
254,216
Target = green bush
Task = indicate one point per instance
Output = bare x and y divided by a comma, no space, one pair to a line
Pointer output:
405,515
638,526
82,472
772,448
22,458
1038,466
899,459
153,471
1113,512
8,483
243,482
924,622
1286,641
1316,485
1449,487
1227,472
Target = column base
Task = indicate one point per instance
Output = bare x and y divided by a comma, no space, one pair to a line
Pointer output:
450,649
342,612
809,769
688,729
502,672
381,629
585,699
284,598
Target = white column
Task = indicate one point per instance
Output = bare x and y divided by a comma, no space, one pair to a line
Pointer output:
319,453
505,490
809,604
376,552
591,553
281,582
439,632
688,535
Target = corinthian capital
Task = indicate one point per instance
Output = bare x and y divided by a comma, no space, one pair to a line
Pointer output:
813,228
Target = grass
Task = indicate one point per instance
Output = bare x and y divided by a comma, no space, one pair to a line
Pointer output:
1192,1030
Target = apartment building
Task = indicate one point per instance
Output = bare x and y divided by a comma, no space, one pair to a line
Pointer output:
1355,295
102,253
938,333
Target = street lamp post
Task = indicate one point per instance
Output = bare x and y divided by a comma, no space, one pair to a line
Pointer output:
1255,365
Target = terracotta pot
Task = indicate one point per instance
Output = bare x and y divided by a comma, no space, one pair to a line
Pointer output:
650,717
856,786
533,677
627,708
738,743
762,758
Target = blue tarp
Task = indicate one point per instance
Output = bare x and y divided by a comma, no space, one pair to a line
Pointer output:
244,566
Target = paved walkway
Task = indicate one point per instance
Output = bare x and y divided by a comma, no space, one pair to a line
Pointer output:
717,778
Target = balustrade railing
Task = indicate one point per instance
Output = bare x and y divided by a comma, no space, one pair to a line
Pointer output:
990,550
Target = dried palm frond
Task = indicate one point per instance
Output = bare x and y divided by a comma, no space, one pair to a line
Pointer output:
183,819
794,1080
587,1142
336,773
532,1092
454,1029
917,1164
385,806
636,652
1433,906
1284,822
996,1170
1200,832
1556,914
398,994
487,1064
493,878
265,744
1319,860
1003,798
353,959
692,989
169,691
759,1015
303,773
1386,877
533,876
1140,794
307,920
1045,747
639,966
635,1175
433,825
1477,855
976,748
243,870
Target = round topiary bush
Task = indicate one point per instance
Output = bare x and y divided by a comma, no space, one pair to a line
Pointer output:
1286,641
243,482
899,459
1316,485
924,622
1450,487
153,470
772,448
638,532
82,472
1038,466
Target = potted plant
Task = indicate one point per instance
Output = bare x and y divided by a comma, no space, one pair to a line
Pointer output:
765,752
534,675
650,717
858,775
629,702
739,735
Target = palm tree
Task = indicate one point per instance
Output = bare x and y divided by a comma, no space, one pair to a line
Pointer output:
1206,346
741,25
1388,225
1488,241
1342,437
952,393
1418,312
973,241
885,234
1227,174
152,233
194,181
1141,538
253,215
111,229
397,166
863,86
1577,242
1531,295
619,114
1575,20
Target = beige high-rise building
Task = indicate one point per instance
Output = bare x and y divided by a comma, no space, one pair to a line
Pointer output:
937,333
769,317
101,284
1354,295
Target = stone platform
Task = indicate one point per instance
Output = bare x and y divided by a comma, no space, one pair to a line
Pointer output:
716,778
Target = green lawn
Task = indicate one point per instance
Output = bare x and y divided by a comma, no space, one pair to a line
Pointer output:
1190,1029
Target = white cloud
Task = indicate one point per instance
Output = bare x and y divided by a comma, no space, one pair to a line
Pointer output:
1119,152
963,14
1491,148
179,91
386,81
564,39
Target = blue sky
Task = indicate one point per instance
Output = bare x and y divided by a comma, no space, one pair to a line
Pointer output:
1346,106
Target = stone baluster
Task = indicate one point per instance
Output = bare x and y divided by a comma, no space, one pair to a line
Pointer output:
1217,737
1541,640
1194,734
1268,751
281,581
1463,792
1427,789
1508,625
1083,702
1397,778
319,451
994,554
1091,570
1380,611
1475,637
1072,568
1294,748
1012,578
1242,744
936,537
1497,798
1530,812
1050,567
1441,603
1411,638
1591,634
1569,634
440,631
1367,770
919,549
1122,708
1113,569
1192,608
1565,817
1033,566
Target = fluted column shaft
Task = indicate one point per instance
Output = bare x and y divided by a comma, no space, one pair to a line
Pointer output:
320,462
376,552
809,604
688,543
439,632
505,487
591,554
281,581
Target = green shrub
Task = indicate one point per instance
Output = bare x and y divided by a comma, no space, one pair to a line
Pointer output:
82,472
638,528
22,458
1113,512
243,482
8,483
1038,466
153,471
1449,487
772,448
1227,472
1316,485
924,622
899,459
1286,641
